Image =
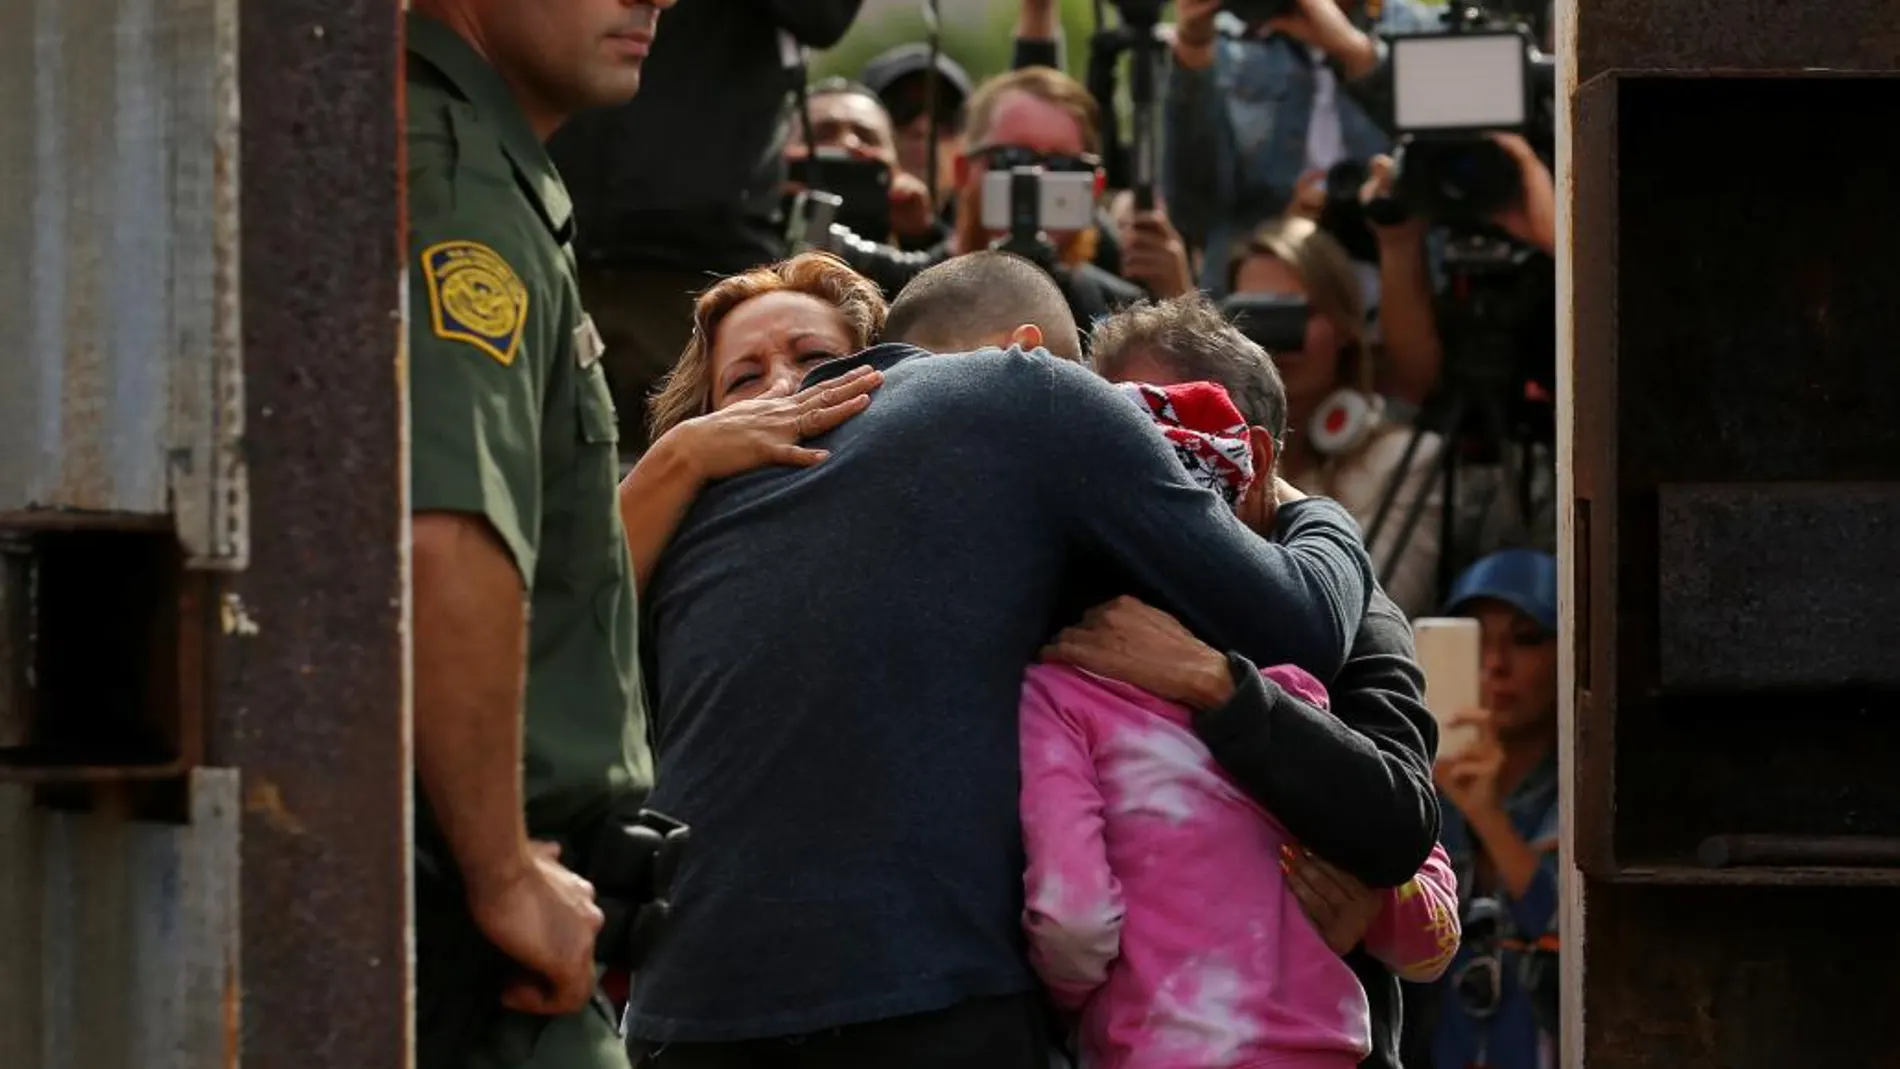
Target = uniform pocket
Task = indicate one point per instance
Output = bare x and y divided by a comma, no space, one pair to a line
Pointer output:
595,408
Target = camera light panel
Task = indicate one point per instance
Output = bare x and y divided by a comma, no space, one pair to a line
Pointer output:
1459,82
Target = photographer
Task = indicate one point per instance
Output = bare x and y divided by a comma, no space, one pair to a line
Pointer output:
848,122
683,184
1047,122
1497,769
1413,353
900,76
1342,443
1257,112
1477,356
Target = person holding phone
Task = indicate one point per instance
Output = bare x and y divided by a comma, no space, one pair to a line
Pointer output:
1498,1002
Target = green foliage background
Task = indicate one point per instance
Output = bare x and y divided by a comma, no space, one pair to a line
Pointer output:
982,45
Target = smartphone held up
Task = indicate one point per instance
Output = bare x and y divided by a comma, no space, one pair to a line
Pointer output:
1450,653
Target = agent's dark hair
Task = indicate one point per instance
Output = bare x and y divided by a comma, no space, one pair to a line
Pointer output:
965,302
1190,337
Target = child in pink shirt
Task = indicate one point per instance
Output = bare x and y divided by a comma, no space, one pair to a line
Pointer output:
1156,902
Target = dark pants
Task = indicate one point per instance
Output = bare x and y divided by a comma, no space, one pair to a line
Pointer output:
1009,1032
645,317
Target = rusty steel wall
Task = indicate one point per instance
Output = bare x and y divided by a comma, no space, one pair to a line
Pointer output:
1725,336
119,392
121,936
308,693
267,925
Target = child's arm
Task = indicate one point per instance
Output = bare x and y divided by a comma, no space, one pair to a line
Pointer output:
1416,932
1073,903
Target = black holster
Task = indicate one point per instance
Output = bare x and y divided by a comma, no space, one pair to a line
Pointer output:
629,854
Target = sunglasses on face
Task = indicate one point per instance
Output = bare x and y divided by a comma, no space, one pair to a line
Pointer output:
1009,157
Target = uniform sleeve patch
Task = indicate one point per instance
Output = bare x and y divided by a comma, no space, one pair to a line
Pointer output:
475,297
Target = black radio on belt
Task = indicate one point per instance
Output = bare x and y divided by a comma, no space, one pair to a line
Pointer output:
633,864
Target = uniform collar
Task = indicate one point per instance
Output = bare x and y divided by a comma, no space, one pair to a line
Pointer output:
471,77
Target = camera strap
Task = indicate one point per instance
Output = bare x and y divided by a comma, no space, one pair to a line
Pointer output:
794,59
933,25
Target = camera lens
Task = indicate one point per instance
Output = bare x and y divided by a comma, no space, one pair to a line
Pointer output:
1479,985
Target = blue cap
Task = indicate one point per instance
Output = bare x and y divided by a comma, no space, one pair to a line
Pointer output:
1524,579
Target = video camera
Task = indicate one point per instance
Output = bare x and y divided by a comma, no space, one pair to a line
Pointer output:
1275,322
1251,12
1451,89
1255,12
861,187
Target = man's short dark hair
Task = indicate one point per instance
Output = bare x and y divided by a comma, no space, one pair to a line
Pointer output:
834,86
1189,336
965,302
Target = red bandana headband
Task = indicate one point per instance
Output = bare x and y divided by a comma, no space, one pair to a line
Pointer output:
1208,433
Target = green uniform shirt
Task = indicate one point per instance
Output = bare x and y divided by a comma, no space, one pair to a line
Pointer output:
511,419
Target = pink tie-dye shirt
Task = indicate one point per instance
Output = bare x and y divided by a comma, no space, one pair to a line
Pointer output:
1156,905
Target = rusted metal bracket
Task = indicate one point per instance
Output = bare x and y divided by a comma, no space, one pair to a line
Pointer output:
209,487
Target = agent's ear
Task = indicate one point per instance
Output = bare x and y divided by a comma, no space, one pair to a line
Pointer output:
1028,336
961,170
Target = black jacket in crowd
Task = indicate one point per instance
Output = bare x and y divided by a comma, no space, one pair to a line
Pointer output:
688,174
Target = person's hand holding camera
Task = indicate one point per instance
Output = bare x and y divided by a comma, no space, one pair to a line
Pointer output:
1469,777
1532,218
1309,196
1323,25
1194,33
1404,235
1037,20
543,917
913,215
1154,255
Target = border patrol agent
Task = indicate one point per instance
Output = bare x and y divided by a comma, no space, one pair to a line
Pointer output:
512,428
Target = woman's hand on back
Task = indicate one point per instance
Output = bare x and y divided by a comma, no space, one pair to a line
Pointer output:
771,429
1137,644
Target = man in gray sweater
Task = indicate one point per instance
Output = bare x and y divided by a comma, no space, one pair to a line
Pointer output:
838,657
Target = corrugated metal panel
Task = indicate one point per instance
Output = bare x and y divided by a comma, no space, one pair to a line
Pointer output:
122,936
118,281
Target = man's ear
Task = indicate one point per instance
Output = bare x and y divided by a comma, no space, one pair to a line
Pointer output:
1258,508
962,170
1028,336
1265,453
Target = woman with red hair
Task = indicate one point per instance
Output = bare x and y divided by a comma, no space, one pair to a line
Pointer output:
733,403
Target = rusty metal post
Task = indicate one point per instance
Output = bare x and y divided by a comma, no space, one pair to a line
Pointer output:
1730,601
308,698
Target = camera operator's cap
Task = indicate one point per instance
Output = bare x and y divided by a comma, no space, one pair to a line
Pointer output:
893,65
1524,579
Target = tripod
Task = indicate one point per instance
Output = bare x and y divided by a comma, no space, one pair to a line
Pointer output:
1480,408
1135,37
